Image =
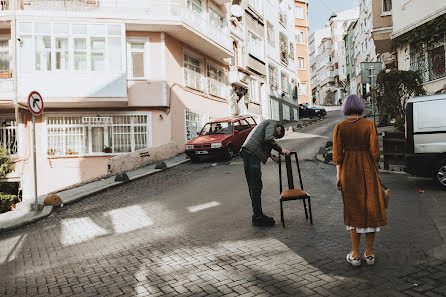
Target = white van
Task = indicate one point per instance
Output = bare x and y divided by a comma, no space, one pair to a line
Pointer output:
426,137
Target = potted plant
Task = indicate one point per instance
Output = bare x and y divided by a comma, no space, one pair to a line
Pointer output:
70,152
5,72
284,56
51,152
107,150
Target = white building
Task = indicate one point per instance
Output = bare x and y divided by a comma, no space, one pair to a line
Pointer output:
280,50
328,76
410,16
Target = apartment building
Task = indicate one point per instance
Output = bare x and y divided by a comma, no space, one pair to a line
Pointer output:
351,85
302,51
248,65
411,20
382,28
280,52
329,71
116,77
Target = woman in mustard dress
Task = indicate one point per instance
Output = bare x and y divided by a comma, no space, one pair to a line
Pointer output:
356,155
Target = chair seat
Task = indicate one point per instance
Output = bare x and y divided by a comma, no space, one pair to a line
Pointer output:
293,193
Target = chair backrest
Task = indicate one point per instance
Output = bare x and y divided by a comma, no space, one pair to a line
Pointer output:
289,171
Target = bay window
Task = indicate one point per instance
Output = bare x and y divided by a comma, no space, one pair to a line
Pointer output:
216,81
193,72
71,47
4,54
255,45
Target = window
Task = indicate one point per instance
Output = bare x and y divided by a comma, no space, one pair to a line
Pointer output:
273,77
193,124
216,84
71,47
255,45
299,11
83,135
256,5
270,33
301,63
300,39
8,134
216,19
254,91
291,51
295,115
302,89
283,42
137,56
286,112
275,110
285,83
193,72
251,121
282,12
195,5
4,54
387,5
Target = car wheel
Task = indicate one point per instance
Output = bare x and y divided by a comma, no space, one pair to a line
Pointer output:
229,152
440,174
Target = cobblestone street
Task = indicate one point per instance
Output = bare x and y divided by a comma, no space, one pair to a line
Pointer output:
187,231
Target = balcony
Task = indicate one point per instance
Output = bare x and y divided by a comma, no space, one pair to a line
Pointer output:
238,77
171,16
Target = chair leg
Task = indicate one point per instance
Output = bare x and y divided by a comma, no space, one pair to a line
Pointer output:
281,214
305,207
309,208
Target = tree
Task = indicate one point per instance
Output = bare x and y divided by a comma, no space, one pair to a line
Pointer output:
393,89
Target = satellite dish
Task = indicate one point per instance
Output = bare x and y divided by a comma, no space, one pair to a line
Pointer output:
236,10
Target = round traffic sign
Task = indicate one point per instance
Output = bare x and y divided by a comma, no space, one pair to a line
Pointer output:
35,103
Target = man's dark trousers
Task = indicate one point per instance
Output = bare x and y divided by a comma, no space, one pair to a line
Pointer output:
253,175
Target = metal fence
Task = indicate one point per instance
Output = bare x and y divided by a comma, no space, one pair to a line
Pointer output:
8,139
430,63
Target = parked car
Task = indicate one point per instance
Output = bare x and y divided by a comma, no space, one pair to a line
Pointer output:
220,138
426,137
311,111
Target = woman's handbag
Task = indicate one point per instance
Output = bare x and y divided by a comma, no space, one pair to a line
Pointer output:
385,190
386,195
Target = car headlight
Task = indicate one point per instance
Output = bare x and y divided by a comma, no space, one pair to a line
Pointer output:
189,146
216,145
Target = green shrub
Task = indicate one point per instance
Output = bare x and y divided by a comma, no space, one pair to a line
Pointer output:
5,162
6,201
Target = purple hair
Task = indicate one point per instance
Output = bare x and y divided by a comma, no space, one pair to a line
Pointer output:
352,105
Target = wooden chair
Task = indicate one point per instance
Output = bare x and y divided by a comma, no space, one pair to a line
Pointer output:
293,193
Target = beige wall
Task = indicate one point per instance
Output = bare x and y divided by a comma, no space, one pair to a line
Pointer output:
302,50
414,13
379,20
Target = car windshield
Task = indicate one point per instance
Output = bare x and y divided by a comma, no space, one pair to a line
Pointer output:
217,128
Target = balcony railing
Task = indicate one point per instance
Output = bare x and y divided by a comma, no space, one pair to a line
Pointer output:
430,63
173,10
8,139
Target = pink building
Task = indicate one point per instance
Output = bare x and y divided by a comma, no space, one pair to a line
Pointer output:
116,77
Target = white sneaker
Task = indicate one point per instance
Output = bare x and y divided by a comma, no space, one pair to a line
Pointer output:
354,261
369,259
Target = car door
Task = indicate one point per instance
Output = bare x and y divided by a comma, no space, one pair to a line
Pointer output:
237,137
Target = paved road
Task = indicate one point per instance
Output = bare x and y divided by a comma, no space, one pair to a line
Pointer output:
186,231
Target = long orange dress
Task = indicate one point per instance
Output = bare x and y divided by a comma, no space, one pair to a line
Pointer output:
356,148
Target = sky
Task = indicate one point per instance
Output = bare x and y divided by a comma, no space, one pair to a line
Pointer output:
321,10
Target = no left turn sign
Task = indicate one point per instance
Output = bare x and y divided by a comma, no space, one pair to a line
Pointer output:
35,103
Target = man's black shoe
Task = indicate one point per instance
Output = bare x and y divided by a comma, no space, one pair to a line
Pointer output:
263,221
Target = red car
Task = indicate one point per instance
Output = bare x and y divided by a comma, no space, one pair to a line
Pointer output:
220,138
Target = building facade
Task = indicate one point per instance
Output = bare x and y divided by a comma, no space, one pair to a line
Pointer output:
303,51
115,77
329,74
409,18
382,28
280,52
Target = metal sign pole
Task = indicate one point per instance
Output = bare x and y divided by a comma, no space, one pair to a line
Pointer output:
35,166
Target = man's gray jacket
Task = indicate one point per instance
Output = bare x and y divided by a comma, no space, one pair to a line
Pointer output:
261,140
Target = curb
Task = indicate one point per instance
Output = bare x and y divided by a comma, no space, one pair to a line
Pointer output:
47,210
320,158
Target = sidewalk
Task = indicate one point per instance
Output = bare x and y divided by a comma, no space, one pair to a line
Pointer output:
24,215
